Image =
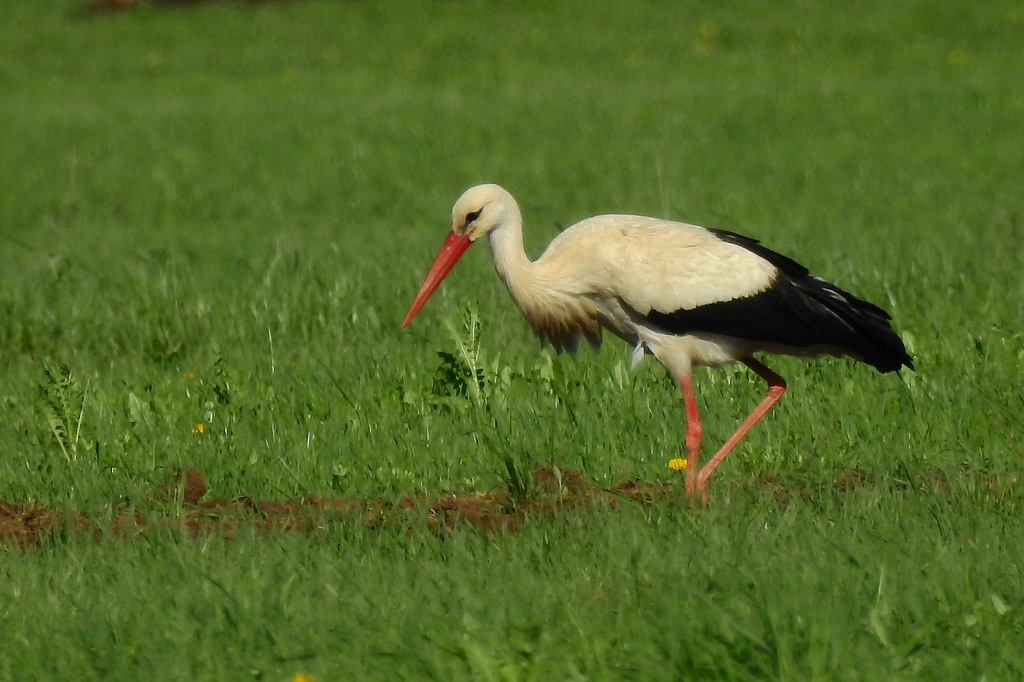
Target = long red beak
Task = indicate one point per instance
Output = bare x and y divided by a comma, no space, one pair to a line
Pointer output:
452,249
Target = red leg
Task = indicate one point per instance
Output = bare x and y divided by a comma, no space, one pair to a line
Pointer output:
694,433
776,387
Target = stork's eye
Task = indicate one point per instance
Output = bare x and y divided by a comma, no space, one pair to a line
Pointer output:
470,217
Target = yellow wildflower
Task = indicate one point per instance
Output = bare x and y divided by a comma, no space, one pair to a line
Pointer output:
198,428
677,464
708,29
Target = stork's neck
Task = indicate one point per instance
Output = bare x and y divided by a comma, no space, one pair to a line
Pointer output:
510,259
539,289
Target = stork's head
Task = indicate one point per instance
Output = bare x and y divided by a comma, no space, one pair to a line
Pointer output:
479,211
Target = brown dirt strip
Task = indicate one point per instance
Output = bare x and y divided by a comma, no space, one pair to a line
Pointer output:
552,490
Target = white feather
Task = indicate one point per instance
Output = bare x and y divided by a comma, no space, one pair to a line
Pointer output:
654,264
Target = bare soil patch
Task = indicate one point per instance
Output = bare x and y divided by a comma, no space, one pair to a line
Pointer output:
553,490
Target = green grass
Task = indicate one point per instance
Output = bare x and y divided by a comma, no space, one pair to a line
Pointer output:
218,216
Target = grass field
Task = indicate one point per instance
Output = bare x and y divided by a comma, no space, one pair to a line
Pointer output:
213,219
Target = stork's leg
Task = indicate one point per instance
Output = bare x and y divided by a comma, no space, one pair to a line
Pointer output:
776,387
694,433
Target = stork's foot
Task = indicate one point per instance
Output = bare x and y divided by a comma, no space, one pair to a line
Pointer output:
696,487
698,495
702,481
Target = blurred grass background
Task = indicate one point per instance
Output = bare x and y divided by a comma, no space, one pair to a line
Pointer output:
212,220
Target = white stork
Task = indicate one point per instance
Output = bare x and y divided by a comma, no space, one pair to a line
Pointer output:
685,294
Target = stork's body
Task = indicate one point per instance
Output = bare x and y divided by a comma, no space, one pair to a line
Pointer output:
685,294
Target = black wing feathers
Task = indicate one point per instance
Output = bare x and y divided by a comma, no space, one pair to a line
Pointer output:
786,265
798,310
